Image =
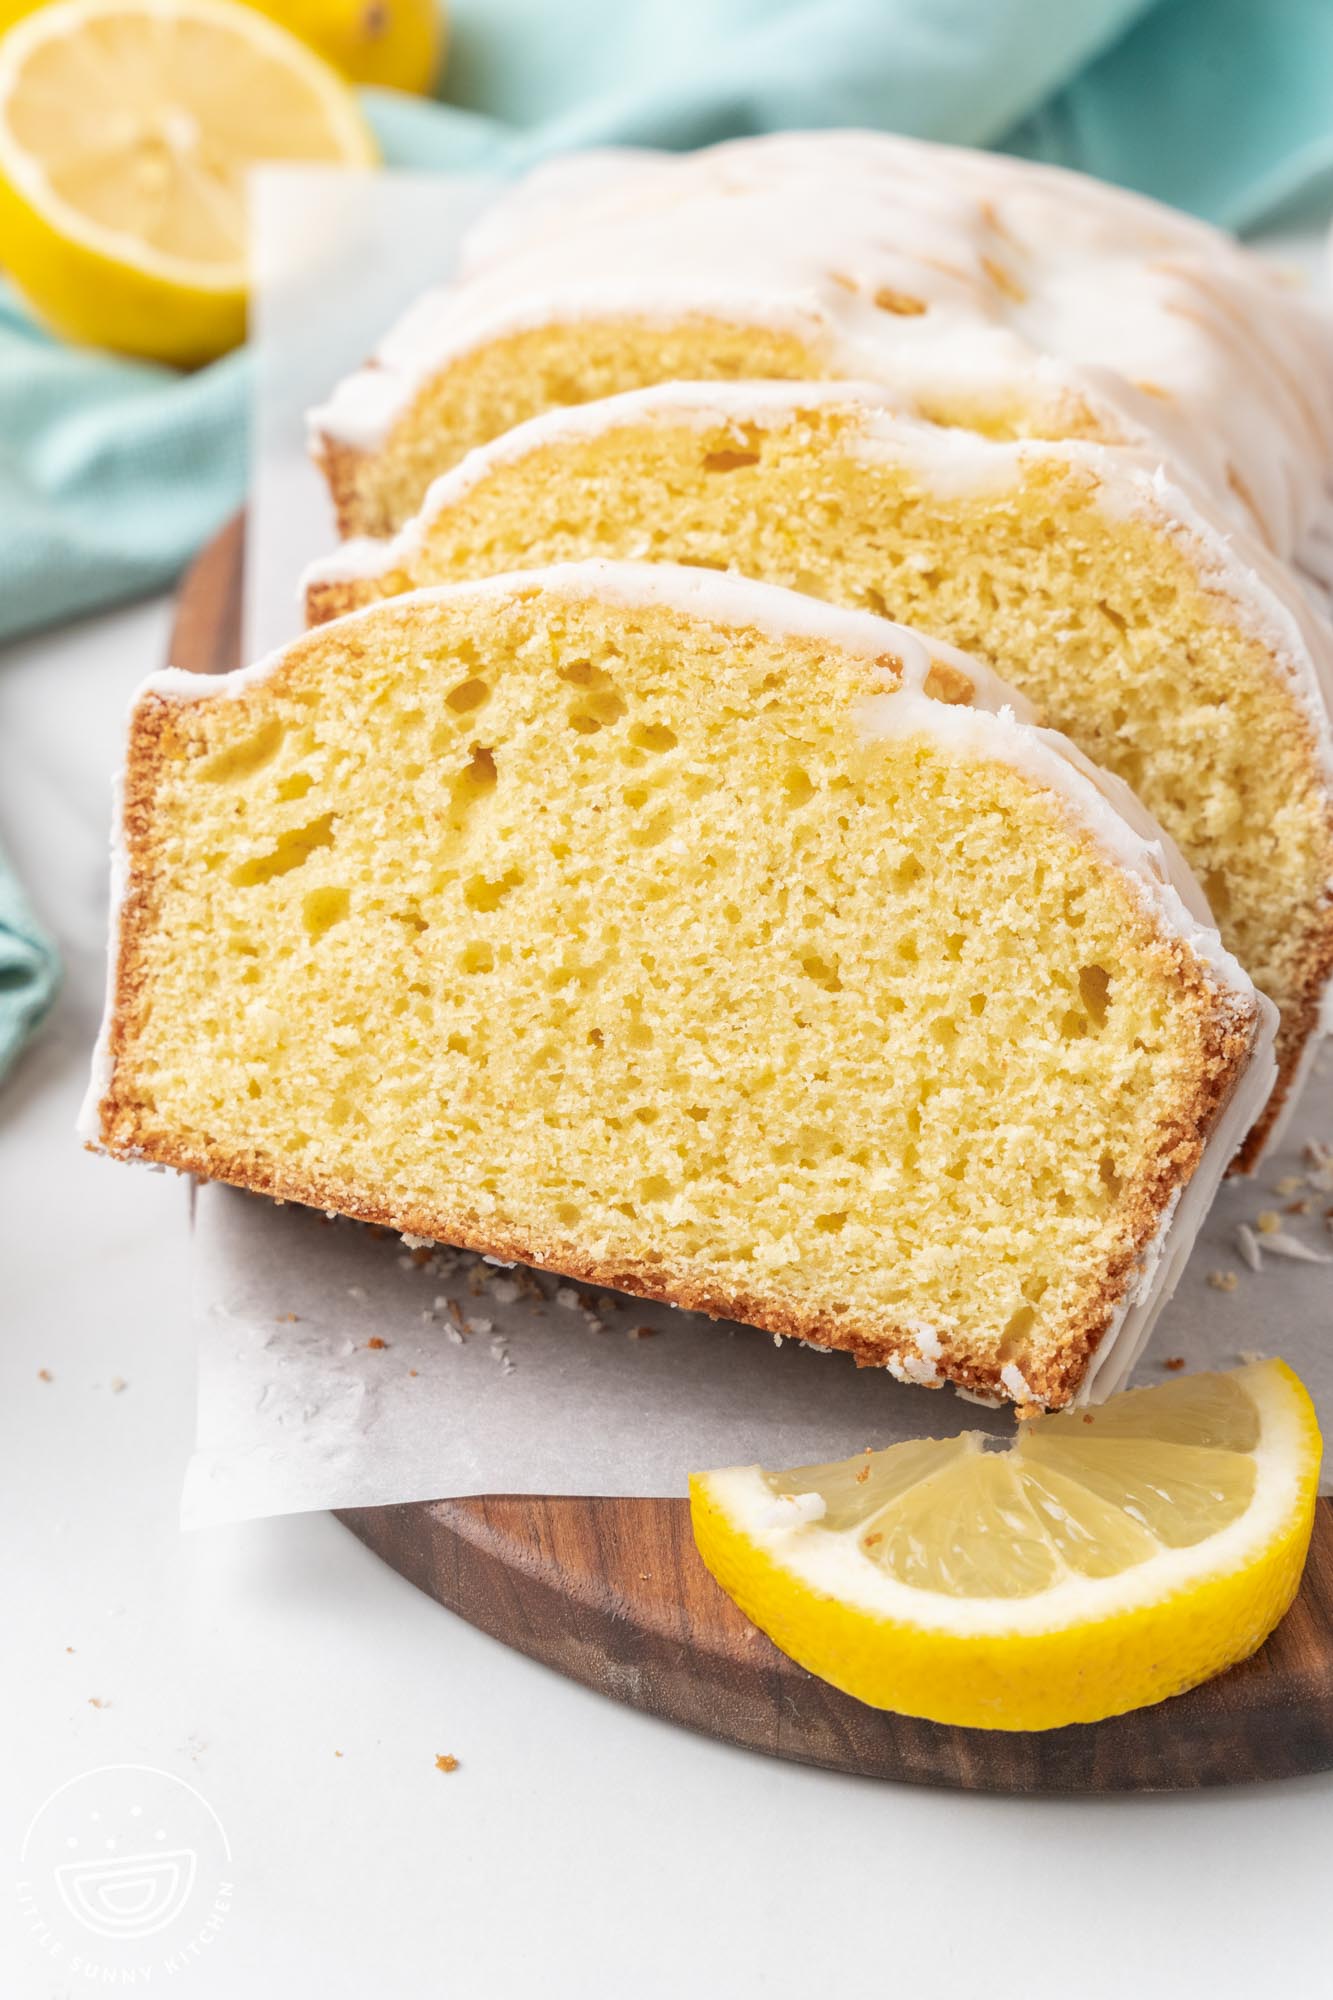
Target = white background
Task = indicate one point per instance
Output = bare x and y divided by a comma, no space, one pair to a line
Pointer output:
580,1849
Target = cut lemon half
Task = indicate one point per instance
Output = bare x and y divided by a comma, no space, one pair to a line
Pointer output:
126,131
1103,1560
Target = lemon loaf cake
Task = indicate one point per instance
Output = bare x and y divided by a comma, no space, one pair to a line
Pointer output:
691,937
1175,653
991,293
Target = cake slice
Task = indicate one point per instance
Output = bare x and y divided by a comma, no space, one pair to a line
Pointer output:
1178,655
990,293
686,936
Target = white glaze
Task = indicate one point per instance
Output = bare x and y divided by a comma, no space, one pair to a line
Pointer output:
991,729
800,231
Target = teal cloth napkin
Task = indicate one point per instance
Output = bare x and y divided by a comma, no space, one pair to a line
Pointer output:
112,472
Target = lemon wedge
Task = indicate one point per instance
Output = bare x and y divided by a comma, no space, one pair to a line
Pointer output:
1103,1560
126,130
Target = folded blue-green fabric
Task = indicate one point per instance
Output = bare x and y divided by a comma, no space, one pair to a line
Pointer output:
112,473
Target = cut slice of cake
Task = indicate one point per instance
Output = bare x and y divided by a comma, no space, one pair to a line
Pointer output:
1178,655
689,937
991,293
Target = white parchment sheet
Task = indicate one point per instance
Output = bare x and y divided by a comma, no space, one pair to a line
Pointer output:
340,1367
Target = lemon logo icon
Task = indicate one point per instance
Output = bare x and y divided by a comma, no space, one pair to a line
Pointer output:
124,1870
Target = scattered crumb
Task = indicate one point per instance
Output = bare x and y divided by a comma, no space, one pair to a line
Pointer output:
45,1375
456,1315
1298,1208
872,1541
482,1326
411,1371
1247,1243
118,1383
1174,1362
862,1475
1087,1416
96,1701
286,1319
504,1291
1289,1184
1282,1245
567,1297
777,1340
1268,1222
1223,1281
376,1342
1251,1355
641,1332
337,1753
69,1649
444,1762
608,1303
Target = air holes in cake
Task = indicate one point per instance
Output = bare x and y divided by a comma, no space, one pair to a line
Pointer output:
977,1004
949,684
411,919
825,975
906,950
944,1031
474,782
639,1035
468,696
597,711
646,1114
796,785
595,1038
323,908
833,1223
295,787
1094,986
655,1187
900,303
458,1045
568,1211
477,957
728,461
1218,892
906,873
636,796
653,736
293,850
654,830
485,892
1112,1181
1016,1329
242,760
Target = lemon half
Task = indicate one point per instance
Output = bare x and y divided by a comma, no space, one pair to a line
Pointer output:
1103,1560
126,131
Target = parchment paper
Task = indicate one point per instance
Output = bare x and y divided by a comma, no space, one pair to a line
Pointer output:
339,1367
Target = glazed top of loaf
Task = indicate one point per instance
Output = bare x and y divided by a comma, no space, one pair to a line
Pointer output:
937,271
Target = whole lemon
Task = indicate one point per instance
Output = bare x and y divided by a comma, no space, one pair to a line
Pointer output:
398,44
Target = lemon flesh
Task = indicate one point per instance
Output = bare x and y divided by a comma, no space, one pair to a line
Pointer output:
127,129
1107,1558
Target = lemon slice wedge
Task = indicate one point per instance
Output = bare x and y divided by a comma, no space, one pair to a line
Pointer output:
127,128
1103,1560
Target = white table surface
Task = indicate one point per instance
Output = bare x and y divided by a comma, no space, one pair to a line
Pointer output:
580,1848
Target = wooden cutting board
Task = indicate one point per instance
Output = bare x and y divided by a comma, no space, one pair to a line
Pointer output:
612,1593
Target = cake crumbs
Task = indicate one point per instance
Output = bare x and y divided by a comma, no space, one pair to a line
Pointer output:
337,1753
567,1297
1298,1208
45,1375
456,1315
286,1319
1268,1222
482,1326
641,1332
411,1371
376,1342
96,1701
504,1291
862,1476
1223,1281
118,1384
1289,1184
444,1762
1174,1362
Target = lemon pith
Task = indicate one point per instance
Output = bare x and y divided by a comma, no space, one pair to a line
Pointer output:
992,1634
126,131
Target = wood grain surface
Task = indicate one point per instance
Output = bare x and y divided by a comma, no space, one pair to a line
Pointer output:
613,1594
